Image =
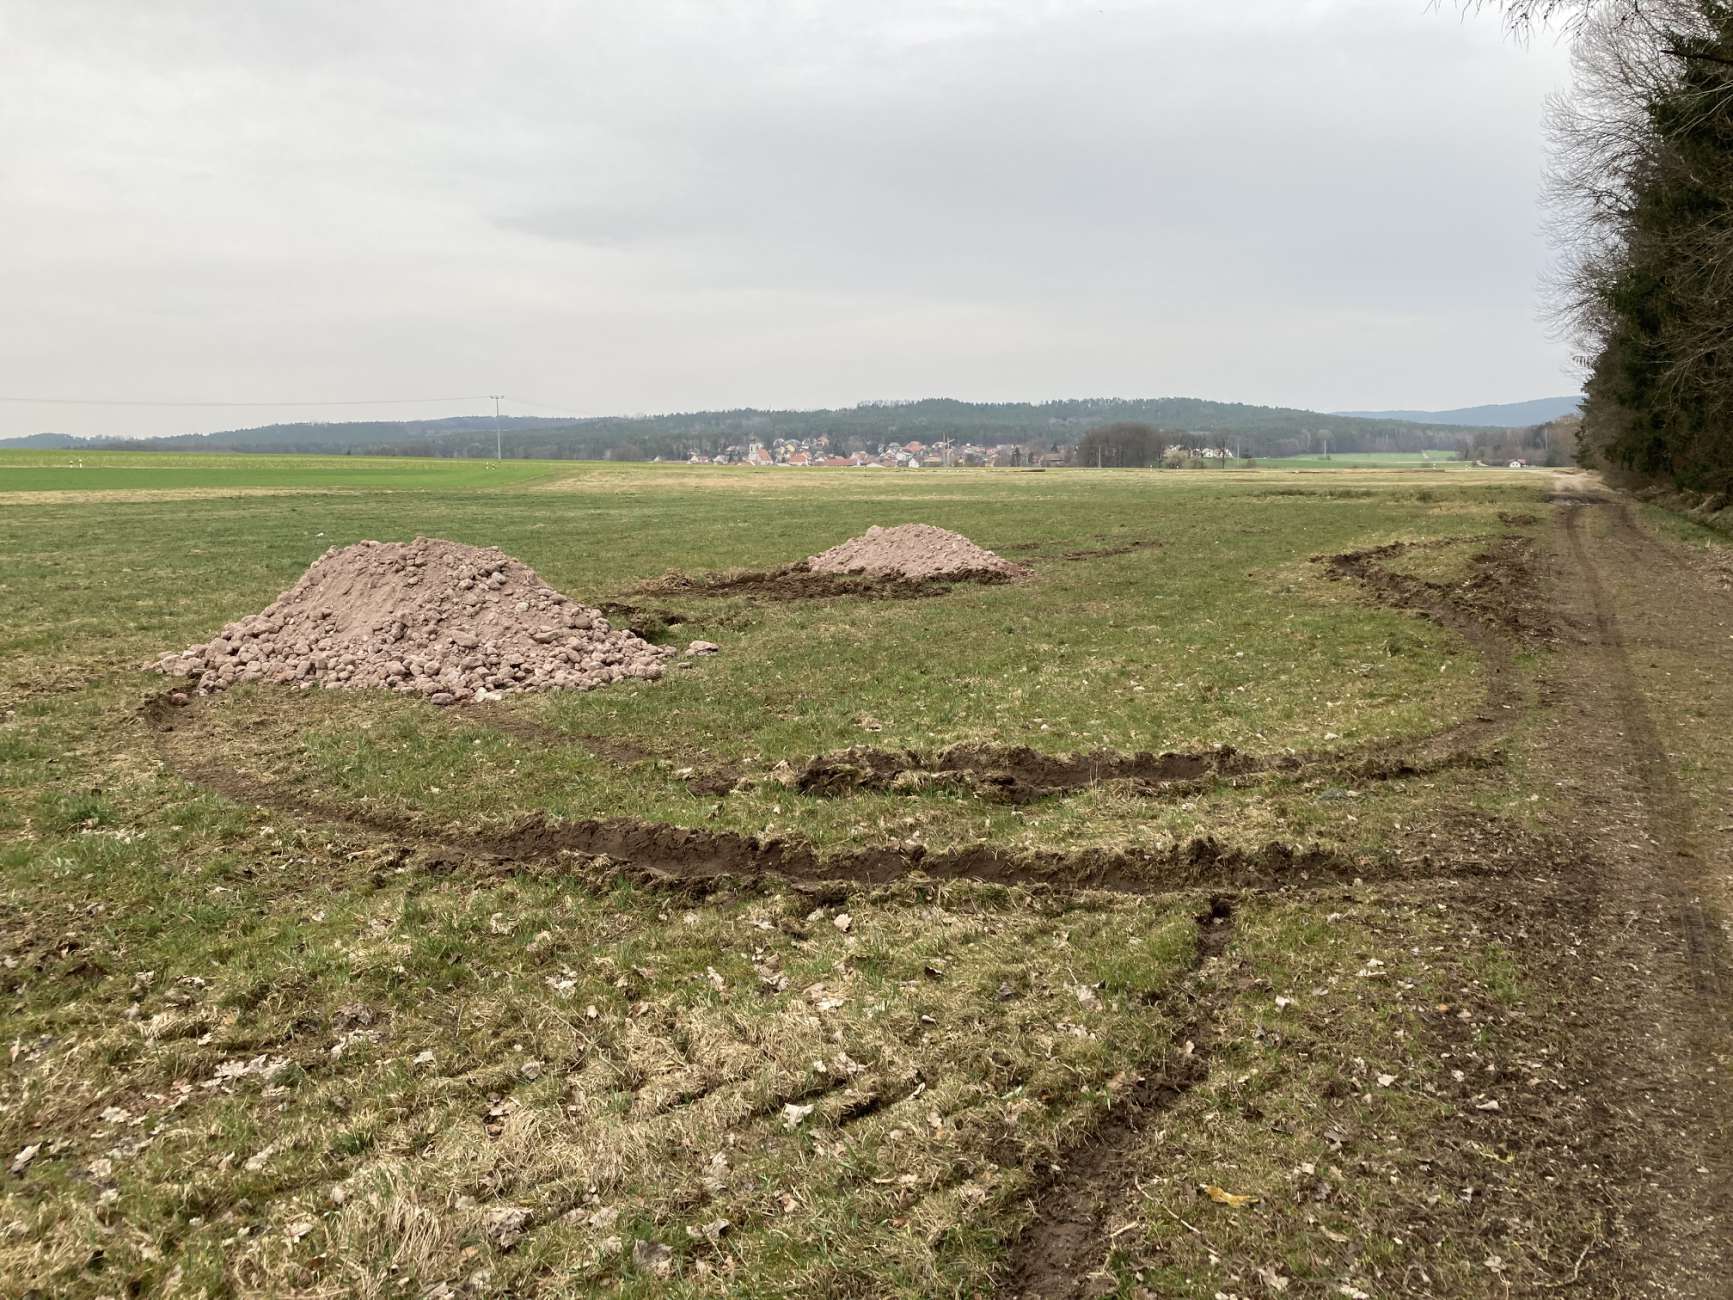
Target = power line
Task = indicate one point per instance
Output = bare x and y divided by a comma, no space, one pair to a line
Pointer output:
364,401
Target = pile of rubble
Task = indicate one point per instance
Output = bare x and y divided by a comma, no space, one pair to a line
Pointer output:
915,552
430,617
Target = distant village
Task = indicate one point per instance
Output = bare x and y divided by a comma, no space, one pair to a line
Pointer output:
800,453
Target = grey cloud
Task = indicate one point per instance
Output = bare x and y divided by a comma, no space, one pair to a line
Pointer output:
1328,203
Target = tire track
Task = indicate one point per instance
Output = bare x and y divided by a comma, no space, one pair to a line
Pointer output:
1660,957
675,856
1060,1253
1669,813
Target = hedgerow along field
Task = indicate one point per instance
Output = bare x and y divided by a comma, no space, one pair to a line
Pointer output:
332,992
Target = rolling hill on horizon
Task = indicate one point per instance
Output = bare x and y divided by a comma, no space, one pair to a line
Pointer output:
1257,430
1499,415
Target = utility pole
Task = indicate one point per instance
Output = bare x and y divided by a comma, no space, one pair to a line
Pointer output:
498,438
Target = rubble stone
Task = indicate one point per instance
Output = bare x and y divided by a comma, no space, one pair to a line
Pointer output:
434,618
913,551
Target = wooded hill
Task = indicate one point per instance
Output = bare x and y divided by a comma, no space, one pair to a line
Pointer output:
1257,430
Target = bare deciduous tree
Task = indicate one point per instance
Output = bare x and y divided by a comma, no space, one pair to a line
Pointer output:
1640,197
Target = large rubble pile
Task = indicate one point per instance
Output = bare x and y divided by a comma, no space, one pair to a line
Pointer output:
430,617
915,552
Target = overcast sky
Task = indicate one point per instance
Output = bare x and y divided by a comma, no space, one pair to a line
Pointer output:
654,205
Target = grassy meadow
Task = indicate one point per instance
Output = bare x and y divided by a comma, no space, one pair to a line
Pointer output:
154,471
262,1051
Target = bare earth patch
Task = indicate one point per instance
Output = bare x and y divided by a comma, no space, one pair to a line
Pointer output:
435,618
912,552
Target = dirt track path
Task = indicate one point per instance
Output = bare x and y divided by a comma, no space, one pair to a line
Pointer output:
1660,885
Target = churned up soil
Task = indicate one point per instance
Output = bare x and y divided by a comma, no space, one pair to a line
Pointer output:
906,562
912,551
429,617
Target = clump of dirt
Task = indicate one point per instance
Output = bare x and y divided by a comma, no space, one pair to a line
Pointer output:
914,552
428,617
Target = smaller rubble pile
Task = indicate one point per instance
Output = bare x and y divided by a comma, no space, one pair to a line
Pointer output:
430,617
914,552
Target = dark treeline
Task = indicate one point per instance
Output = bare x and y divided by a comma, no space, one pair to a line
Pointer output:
1642,183
1554,443
1121,445
1050,426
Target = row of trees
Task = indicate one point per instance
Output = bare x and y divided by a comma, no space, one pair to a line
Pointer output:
1554,443
1124,444
1641,185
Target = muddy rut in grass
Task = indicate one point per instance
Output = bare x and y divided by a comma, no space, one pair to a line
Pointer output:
666,853
1623,918
1484,609
796,582
1068,1236
1020,775
1017,774
1495,610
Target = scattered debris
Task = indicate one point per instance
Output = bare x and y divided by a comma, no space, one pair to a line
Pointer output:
1232,1199
653,1257
506,1225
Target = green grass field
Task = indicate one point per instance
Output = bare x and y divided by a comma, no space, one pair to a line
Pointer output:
1438,460
291,1041
107,471
1201,654
116,471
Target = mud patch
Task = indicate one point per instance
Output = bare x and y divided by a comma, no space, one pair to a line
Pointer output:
795,582
1017,774
1500,599
650,624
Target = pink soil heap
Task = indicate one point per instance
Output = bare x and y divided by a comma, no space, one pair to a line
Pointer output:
914,551
431,617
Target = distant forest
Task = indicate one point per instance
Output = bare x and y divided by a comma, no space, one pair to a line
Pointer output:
1043,427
